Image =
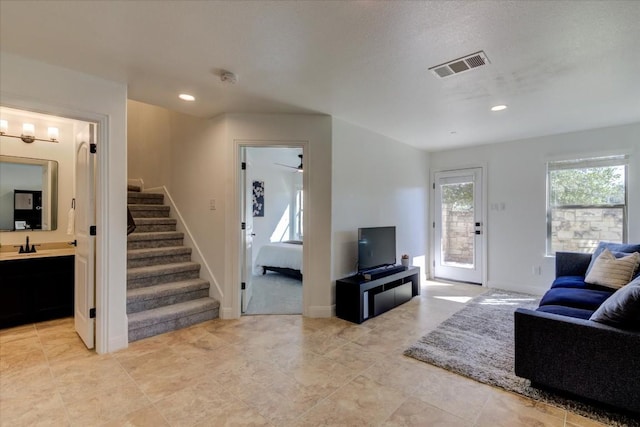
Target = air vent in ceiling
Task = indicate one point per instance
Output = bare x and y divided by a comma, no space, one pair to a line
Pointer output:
460,65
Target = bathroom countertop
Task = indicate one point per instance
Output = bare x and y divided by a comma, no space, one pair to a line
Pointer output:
43,250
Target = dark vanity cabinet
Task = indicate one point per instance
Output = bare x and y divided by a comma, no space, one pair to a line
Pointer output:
36,289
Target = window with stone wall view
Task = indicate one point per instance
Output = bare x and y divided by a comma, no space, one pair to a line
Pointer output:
586,203
458,224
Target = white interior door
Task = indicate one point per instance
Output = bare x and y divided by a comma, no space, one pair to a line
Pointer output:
247,233
458,228
84,299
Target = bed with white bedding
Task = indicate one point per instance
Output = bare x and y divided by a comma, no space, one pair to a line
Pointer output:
284,258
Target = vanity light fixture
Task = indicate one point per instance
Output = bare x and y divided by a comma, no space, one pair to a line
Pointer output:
29,132
53,133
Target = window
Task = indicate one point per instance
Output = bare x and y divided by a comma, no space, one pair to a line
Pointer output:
298,230
586,203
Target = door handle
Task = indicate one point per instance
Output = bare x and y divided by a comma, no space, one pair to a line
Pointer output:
253,234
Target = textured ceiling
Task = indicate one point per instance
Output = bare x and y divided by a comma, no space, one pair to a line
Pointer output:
560,66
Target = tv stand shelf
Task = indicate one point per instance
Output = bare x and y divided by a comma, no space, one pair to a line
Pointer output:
358,300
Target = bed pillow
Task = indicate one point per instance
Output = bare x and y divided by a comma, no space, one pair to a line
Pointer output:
613,272
617,249
622,309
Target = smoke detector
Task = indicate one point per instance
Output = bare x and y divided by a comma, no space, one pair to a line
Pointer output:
460,65
228,77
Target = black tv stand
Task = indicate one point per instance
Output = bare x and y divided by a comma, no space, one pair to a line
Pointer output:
358,299
380,272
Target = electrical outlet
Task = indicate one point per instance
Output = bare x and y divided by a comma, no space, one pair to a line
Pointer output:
212,204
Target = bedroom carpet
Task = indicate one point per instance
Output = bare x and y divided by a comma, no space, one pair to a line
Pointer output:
275,293
477,342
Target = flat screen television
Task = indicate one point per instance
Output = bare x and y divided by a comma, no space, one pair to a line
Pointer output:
376,247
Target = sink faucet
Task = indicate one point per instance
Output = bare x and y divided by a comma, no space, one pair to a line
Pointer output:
26,249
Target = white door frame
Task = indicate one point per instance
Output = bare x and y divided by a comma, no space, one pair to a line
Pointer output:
235,231
485,225
101,197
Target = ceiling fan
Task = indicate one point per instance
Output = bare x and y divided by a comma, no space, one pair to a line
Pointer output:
298,168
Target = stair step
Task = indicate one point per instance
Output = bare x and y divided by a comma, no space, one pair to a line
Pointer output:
145,225
164,273
169,318
154,239
149,211
133,188
151,297
153,256
134,197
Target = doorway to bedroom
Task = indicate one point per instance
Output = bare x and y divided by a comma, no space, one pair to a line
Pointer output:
272,215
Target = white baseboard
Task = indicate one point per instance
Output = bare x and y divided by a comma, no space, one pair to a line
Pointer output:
226,313
321,311
527,289
118,343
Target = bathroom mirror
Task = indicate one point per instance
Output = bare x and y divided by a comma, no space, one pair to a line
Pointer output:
28,194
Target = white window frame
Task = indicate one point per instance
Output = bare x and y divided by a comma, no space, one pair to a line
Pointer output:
594,162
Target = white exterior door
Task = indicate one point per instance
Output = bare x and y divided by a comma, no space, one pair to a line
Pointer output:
84,300
458,228
246,260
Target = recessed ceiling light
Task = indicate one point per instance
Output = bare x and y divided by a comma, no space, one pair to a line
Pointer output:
498,107
186,97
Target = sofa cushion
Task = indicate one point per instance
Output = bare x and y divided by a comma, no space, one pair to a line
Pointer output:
607,270
580,313
576,282
622,309
616,249
579,298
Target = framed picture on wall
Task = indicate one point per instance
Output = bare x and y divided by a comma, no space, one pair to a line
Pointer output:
258,198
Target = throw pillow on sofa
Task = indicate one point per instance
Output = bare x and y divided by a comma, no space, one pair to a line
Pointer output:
617,249
613,272
622,309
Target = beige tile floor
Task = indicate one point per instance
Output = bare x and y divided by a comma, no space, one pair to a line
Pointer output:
258,371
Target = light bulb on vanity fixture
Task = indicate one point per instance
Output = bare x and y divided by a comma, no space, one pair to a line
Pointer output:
53,133
28,134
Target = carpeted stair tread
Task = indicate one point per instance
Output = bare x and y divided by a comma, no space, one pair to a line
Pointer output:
166,289
165,294
153,221
149,211
147,318
154,256
135,197
155,235
146,225
161,269
156,252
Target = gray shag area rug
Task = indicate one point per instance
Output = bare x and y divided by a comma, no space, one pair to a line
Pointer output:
478,342
274,293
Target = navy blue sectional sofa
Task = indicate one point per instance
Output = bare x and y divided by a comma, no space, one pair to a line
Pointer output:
558,347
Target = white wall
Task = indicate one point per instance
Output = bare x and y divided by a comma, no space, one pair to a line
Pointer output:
516,174
149,146
377,182
31,85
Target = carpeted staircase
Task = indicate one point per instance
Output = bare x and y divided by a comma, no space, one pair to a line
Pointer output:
164,290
